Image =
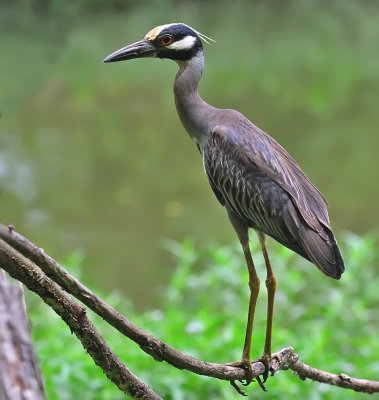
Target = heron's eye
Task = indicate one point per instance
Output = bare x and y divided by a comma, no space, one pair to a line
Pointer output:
166,40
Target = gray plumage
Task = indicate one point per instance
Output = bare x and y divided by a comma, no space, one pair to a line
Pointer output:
255,178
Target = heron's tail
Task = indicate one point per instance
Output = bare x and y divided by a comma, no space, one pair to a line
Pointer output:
322,250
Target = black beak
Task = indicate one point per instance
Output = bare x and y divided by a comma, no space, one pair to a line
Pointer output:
140,49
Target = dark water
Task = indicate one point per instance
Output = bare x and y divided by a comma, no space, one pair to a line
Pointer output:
94,158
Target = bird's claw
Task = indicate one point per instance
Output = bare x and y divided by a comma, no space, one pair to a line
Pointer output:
247,366
266,360
238,389
249,372
261,384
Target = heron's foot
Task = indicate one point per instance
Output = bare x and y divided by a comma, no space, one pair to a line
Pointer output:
266,359
247,365
237,388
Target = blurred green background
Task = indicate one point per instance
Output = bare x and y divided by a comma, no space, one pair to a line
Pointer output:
93,157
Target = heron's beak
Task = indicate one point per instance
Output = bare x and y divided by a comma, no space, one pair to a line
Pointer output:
140,49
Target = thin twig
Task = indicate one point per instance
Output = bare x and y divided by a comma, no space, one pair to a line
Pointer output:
341,380
23,269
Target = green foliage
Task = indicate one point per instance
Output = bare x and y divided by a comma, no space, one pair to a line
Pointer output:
331,324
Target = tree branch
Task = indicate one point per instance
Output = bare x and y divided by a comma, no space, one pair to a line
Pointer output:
342,380
24,270
159,350
74,314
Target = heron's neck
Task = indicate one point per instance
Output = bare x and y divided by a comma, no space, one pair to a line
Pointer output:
192,109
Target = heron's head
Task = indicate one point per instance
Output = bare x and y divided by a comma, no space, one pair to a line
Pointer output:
176,41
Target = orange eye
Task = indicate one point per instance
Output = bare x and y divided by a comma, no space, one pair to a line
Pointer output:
166,40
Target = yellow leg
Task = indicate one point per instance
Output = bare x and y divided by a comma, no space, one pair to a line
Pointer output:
254,291
271,287
242,232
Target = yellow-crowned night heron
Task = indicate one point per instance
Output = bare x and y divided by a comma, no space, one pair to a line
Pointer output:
252,176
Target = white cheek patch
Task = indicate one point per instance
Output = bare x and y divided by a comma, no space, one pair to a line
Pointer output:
184,44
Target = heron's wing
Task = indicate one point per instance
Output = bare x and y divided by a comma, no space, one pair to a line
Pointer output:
244,187
255,177
273,160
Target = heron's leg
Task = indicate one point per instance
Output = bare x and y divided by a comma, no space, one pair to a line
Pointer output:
254,291
242,232
271,287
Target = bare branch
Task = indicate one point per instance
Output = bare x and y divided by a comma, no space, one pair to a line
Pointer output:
159,350
342,380
23,269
